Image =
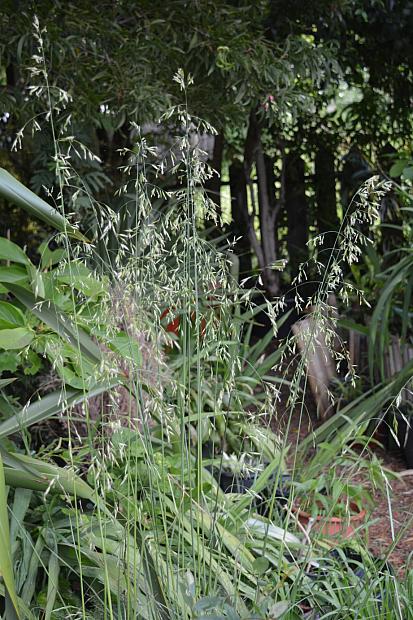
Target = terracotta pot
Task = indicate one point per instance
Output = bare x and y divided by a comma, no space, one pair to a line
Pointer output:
174,326
333,526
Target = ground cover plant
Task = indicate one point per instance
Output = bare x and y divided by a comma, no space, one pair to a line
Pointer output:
144,471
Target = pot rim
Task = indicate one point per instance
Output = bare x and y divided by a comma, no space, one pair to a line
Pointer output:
358,516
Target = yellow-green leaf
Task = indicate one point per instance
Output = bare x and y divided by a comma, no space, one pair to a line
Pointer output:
6,570
16,338
12,252
10,316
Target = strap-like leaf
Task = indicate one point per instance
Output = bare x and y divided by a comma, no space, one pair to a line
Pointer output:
378,325
49,406
15,192
4,382
52,581
45,476
6,568
360,411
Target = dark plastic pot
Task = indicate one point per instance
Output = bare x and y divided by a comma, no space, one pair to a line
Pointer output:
208,451
282,494
231,483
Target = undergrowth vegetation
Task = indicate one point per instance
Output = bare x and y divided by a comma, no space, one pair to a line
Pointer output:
141,476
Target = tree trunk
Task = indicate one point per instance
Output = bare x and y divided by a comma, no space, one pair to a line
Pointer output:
11,75
240,217
274,204
268,212
325,195
266,247
297,211
213,185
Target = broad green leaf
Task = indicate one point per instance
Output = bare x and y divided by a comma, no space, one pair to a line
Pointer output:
21,542
75,370
13,274
6,568
49,257
10,316
10,459
16,338
71,378
398,167
62,299
12,252
408,173
47,311
126,347
15,192
81,278
260,565
31,363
